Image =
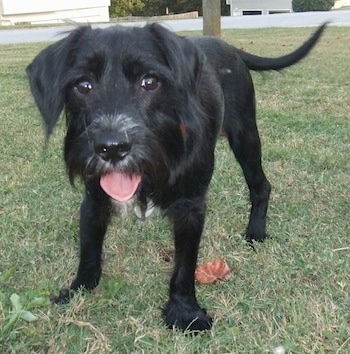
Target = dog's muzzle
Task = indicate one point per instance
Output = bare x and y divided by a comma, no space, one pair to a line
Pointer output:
113,147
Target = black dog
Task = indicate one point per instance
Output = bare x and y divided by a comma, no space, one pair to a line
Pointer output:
144,108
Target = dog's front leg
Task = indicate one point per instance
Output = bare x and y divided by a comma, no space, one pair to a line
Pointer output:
94,219
182,310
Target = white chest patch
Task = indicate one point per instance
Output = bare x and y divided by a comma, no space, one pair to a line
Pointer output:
143,212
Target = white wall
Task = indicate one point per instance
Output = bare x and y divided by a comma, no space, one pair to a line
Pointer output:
53,11
265,6
340,3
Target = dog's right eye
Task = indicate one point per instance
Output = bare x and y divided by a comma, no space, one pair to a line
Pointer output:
149,83
83,87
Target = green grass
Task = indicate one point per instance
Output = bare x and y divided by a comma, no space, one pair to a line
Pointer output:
293,291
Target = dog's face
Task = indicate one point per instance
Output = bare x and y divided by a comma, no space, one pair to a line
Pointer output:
131,102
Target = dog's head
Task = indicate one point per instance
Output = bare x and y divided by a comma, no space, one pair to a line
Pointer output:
131,101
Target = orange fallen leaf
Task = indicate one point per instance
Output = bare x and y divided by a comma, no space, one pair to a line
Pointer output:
209,272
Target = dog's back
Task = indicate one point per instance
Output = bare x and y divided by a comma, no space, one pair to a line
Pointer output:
218,51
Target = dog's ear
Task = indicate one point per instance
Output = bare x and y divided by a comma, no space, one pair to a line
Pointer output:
46,74
183,56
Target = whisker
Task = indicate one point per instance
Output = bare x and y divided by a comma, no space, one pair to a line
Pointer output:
87,134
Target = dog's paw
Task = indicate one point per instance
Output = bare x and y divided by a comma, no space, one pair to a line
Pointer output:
63,297
251,237
186,317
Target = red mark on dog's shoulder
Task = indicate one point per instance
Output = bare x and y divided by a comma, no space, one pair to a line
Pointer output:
183,128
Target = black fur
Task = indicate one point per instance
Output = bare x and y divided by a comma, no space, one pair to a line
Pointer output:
146,102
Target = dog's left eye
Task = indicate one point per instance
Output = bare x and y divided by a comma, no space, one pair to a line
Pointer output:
149,83
83,87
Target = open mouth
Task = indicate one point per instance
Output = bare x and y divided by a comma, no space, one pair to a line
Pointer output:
120,186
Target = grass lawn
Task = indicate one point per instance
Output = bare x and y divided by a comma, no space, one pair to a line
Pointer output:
292,292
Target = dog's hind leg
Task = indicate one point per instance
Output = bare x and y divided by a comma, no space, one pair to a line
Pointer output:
94,220
182,310
244,140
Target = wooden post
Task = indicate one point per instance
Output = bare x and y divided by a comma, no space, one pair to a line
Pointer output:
212,17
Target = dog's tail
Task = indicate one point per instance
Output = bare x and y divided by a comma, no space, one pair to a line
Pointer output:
258,63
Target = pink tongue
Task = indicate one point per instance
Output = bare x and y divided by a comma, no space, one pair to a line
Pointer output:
120,186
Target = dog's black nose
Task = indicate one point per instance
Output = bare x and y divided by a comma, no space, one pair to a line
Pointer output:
112,148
